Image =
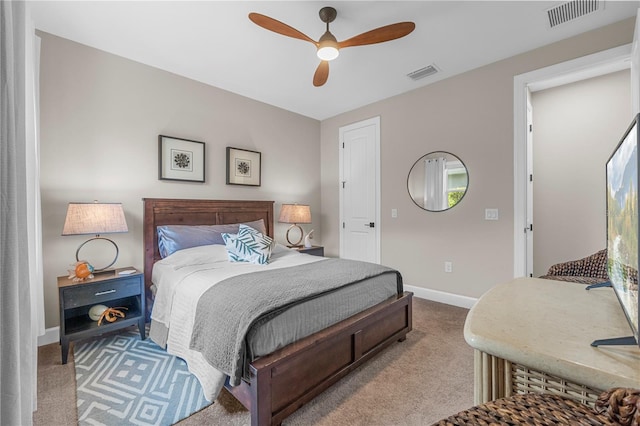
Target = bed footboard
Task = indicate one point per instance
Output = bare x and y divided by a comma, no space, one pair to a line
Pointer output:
283,381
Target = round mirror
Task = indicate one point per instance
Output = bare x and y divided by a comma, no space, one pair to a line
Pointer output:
437,181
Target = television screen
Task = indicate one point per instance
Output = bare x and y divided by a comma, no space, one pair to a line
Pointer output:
622,224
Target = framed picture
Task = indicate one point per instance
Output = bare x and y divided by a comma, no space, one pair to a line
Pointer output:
180,159
243,167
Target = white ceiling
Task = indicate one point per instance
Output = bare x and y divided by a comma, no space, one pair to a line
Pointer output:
215,43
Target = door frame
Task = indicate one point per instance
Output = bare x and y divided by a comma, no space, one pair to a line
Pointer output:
600,63
375,121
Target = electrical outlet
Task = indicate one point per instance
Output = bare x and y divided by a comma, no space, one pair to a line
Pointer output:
448,266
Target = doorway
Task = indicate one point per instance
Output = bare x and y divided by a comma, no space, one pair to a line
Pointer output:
589,66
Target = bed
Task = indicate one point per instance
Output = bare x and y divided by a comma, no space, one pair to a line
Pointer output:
278,383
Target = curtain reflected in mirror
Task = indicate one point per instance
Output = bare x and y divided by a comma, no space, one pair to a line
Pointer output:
437,181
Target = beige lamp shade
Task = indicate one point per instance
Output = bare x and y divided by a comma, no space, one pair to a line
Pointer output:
295,213
94,218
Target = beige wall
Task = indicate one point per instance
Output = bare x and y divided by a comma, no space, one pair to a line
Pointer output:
471,116
576,127
100,120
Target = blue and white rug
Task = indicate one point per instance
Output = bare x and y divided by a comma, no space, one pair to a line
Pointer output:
123,380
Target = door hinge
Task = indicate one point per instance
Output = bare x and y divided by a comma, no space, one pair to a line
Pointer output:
342,225
342,145
531,178
343,182
531,127
528,228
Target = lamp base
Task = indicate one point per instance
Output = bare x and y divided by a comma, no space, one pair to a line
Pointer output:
97,271
297,243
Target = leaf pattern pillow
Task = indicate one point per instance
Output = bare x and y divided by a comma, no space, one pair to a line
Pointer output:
248,245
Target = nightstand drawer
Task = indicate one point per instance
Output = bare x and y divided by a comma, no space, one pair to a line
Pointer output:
91,294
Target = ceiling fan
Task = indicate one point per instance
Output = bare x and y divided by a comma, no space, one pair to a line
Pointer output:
328,46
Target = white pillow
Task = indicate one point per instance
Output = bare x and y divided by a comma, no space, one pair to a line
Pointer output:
248,245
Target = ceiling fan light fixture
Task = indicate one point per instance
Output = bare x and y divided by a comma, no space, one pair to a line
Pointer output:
328,47
328,53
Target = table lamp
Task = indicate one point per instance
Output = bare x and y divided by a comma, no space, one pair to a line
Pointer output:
295,214
95,218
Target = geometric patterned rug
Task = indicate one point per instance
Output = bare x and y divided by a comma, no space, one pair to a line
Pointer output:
123,380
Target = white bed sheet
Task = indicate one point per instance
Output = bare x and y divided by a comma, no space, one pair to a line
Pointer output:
181,279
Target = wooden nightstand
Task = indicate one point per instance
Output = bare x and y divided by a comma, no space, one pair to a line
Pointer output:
313,250
110,289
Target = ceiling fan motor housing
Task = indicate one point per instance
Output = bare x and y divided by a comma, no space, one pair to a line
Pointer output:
328,14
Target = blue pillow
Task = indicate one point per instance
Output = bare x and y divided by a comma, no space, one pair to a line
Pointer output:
248,245
172,238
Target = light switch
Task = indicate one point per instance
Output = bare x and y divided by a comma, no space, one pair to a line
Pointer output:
394,213
491,214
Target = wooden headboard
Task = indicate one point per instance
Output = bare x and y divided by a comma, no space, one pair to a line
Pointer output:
166,211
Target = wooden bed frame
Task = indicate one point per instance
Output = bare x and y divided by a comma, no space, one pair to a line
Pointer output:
283,381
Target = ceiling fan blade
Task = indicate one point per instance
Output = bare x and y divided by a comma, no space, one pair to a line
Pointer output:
380,35
322,74
278,27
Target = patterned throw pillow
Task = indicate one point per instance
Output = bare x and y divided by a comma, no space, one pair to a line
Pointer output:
248,245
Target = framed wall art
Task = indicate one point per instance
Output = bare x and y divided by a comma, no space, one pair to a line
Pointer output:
180,159
243,167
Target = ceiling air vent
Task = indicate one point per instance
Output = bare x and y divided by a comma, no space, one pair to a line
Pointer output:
568,11
422,72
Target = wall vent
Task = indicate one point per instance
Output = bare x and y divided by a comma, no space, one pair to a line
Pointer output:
422,72
571,10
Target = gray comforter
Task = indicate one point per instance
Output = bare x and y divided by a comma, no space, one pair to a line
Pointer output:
226,311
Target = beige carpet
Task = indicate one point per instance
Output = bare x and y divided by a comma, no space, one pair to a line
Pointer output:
417,382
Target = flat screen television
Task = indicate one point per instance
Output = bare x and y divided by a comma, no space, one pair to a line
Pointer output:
622,229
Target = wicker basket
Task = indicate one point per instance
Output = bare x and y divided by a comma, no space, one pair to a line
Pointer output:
617,406
529,409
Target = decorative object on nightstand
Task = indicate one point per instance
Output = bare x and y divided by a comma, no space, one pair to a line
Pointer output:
112,314
94,218
83,305
295,214
81,271
96,311
307,239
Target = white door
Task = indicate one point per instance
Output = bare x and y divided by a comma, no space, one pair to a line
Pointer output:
359,191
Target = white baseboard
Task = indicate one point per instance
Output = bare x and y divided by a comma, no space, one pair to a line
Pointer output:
442,297
51,335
